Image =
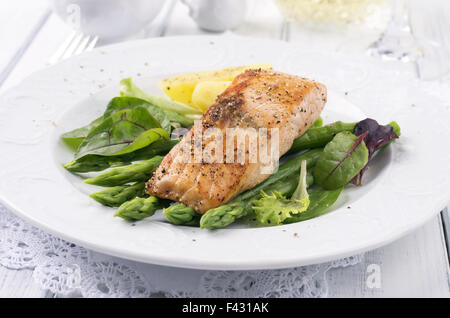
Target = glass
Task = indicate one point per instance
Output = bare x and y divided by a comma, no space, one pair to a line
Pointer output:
320,13
397,42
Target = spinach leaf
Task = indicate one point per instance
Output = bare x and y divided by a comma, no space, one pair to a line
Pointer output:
341,160
117,134
143,140
378,136
319,202
91,163
175,111
121,103
74,138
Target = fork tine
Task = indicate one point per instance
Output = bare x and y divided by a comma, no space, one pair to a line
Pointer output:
92,44
60,51
82,45
73,46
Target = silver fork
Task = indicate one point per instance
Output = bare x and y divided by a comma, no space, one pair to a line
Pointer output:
75,44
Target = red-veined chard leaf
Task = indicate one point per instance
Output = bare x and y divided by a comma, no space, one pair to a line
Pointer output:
74,138
143,140
121,103
122,132
175,111
341,160
377,137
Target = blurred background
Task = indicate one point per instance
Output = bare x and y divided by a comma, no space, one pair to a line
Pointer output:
411,31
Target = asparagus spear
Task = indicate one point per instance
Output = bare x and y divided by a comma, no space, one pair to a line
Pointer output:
139,208
289,168
115,196
228,213
319,136
219,217
139,171
98,163
224,215
179,214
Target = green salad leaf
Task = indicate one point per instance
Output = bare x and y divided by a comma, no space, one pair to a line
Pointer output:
320,202
122,132
274,209
121,103
148,137
177,112
74,138
90,163
341,160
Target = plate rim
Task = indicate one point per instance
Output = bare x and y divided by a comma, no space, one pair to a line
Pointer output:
219,265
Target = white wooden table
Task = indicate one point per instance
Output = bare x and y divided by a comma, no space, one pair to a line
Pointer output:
414,266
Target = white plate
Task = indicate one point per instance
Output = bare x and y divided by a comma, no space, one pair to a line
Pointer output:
406,185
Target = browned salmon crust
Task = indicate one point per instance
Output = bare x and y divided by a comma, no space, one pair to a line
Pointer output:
255,99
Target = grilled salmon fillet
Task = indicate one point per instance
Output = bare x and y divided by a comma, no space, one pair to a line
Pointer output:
255,99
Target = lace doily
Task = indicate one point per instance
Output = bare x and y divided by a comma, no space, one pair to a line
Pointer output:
66,269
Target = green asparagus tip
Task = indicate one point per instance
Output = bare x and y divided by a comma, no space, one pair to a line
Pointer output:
221,216
68,165
179,214
89,181
138,208
396,128
102,199
115,196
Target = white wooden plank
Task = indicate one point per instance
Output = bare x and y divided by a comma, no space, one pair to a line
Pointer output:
18,283
46,42
445,219
19,21
414,266
432,35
